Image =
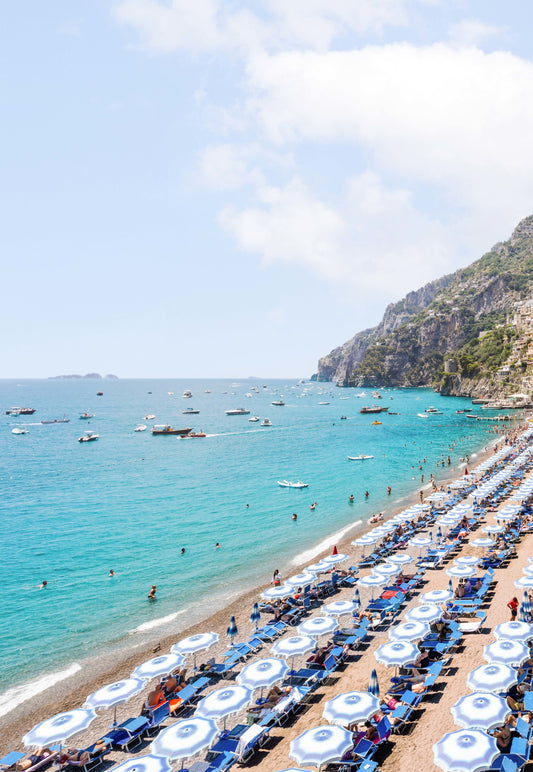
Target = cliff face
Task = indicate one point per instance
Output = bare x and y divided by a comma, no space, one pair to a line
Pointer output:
452,330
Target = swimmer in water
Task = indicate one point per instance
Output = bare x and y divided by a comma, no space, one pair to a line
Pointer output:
151,594
294,516
43,584
388,490
182,551
367,494
351,499
111,573
217,545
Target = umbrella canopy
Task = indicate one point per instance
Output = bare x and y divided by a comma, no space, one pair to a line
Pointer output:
185,738
339,607
493,529
372,580
482,542
506,652
459,572
318,626
426,613
263,672
515,631
232,631
294,646
527,570
59,728
332,559
158,666
114,694
306,577
468,750
386,569
147,763
194,643
319,567
480,710
255,616
400,560
492,678
276,593
350,708
524,583
435,596
466,560
357,597
373,686
224,702
320,745
420,541
409,631
396,653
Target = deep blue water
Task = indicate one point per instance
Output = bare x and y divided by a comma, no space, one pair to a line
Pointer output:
130,501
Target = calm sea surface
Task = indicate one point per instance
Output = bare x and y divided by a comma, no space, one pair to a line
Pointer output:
72,511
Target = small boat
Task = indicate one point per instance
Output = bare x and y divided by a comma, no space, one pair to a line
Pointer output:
320,403
89,437
165,429
238,411
193,436
373,409
422,415
99,393
20,411
170,393
266,422
254,418
140,428
149,417
86,416
288,484
187,394
55,420
279,403
190,411
344,418
376,423
358,458
19,430
433,410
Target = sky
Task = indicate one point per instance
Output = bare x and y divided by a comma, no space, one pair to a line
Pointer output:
223,188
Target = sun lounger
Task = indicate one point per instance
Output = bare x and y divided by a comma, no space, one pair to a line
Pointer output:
187,695
15,756
129,733
220,763
243,747
221,669
157,716
92,762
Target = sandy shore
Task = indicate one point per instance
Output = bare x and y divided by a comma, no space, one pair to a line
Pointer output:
72,692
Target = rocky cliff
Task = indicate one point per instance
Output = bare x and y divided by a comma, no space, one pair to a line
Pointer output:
453,334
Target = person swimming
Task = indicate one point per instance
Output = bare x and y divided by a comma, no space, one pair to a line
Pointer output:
111,573
151,594
182,551
351,499
43,584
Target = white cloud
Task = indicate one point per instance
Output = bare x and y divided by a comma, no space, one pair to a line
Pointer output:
472,32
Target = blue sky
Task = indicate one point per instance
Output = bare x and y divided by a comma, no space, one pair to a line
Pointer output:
228,189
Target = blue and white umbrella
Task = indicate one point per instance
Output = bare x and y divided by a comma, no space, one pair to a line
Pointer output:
515,631
224,702
373,581
114,694
400,560
158,666
506,516
255,616
59,728
495,678
232,631
185,738
409,631
459,572
524,583
296,645
262,672
493,529
466,560
386,569
426,613
364,542
396,653
482,542
436,596
320,745
357,597
480,710
194,644
526,603
420,541
350,708
527,570
277,593
333,559
506,652
298,580
468,750
318,568
339,607
318,626
450,586
146,763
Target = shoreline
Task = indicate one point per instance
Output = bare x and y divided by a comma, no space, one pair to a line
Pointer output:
92,673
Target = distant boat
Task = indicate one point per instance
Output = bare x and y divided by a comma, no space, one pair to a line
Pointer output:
358,458
320,403
190,411
55,420
433,410
85,416
375,423
140,428
254,418
20,411
266,422
193,436
99,393
288,484
373,409
149,417
238,411
89,437
279,403
165,429
18,430
422,415
187,394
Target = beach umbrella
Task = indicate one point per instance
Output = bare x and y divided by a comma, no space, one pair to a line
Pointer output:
317,626
232,631
450,586
508,516
320,745
459,572
493,529
350,708
224,702
195,643
146,763
333,559
185,738
400,560
364,541
59,728
526,603
319,567
435,596
438,535
420,541
276,593
296,645
339,607
262,672
427,613
468,750
409,631
495,678
527,570
524,583
515,631
306,577
386,569
396,653
373,686
466,560
506,652
482,542
158,666
372,581
114,694
357,597
480,710
255,616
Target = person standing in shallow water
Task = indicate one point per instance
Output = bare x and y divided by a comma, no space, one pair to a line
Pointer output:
151,594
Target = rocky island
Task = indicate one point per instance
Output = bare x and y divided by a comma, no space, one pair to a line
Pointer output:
88,376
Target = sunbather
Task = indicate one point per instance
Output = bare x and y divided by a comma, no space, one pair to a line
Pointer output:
83,756
30,761
154,699
504,735
273,697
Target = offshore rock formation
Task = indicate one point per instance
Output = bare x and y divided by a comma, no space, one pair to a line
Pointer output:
456,334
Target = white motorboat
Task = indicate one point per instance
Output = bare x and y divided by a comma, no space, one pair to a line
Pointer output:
85,416
238,411
266,422
187,394
190,411
433,410
323,403
140,428
288,484
149,417
358,458
19,430
254,418
89,437
279,403
422,415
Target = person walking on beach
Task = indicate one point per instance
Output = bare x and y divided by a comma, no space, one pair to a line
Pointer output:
276,579
151,594
513,605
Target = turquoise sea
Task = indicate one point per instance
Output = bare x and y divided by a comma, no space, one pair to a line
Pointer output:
72,511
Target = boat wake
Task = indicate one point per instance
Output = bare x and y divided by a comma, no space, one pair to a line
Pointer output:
19,694
157,622
329,541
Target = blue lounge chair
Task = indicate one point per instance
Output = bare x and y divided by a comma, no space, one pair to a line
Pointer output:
94,761
129,733
157,716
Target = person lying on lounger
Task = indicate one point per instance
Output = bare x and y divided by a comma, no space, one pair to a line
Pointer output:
30,761
273,697
83,756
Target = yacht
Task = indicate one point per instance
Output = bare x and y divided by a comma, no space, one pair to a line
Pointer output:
254,418
165,429
190,411
279,403
19,430
238,411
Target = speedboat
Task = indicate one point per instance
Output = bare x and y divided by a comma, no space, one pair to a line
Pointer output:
254,418
140,428
19,430
422,415
193,436
433,410
187,394
266,422
238,411
190,411
164,429
358,458
279,403
149,417
20,411
55,420
85,416
323,403
89,437
288,484
373,409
